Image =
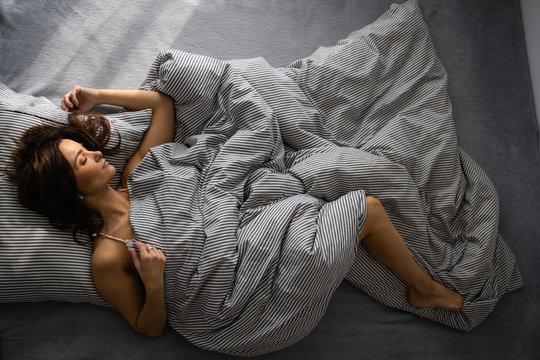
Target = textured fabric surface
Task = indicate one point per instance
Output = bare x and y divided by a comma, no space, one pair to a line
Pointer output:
253,254
237,201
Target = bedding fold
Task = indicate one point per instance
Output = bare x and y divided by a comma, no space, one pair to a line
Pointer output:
259,202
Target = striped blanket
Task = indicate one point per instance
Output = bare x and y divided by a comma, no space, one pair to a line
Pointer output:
259,202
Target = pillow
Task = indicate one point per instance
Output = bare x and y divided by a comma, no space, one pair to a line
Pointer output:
37,261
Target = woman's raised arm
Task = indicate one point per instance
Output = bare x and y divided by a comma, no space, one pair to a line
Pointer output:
161,129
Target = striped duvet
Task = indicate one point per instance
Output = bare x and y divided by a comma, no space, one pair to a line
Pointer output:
259,202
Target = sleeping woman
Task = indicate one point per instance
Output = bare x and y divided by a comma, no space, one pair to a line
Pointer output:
62,172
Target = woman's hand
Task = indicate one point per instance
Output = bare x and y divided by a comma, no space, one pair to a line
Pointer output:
80,98
150,264
142,305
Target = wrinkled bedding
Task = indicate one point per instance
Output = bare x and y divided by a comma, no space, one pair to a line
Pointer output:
259,202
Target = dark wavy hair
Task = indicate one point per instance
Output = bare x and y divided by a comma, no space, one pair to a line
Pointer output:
44,178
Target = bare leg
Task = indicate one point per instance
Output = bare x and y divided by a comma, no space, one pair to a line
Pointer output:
383,242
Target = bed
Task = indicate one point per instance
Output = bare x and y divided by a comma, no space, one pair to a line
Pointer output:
48,47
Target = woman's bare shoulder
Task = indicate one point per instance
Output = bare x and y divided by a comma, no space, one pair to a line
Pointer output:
108,256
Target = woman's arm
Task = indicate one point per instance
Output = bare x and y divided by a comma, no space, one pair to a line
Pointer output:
141,304
161,129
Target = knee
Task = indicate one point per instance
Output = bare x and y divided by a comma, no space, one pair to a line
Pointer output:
374,207
374,213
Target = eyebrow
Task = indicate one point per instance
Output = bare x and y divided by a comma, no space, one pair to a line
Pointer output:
75,158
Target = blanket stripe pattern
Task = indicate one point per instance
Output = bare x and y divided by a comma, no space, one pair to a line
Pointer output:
259,202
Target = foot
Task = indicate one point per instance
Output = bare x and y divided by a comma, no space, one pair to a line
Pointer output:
434,294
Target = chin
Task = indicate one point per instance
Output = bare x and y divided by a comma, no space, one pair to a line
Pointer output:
111,170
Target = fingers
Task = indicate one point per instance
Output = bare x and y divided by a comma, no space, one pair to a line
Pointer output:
70,101
150,264
147,250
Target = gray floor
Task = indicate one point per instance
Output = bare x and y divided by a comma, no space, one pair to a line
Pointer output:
530,12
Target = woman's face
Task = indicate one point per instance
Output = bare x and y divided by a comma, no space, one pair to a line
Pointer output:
92,172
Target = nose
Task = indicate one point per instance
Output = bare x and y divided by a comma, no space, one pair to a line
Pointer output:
97,155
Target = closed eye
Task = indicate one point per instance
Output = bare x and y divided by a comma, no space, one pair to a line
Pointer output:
75,158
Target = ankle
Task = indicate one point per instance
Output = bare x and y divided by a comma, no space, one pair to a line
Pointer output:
423,285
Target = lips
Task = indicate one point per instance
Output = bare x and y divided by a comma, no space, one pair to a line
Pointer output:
105,163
